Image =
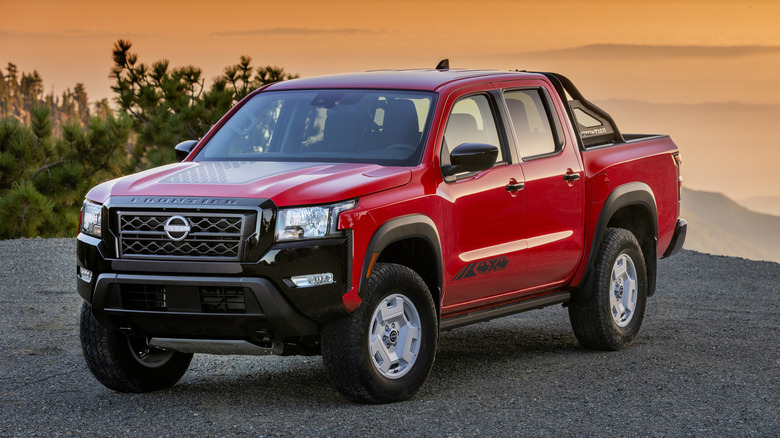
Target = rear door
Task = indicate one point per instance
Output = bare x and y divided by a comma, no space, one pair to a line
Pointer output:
554,185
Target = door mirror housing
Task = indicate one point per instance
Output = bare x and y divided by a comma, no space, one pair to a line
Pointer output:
184,148
471,157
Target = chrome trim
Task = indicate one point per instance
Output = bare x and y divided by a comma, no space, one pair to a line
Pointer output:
150,238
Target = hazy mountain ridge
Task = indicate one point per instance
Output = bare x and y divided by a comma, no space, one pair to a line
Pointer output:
719,225
763,204
725,147
658,51
703,236
707,107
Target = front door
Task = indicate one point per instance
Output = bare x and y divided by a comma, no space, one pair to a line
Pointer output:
483,211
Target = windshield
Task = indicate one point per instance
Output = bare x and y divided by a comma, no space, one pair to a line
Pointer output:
347,126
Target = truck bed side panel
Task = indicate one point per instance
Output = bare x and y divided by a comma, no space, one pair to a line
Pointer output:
646,159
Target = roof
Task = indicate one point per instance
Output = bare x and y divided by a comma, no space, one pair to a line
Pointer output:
429,79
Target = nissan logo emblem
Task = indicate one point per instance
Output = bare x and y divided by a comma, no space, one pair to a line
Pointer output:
177,228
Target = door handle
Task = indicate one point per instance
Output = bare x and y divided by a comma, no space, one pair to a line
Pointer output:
515,187
569,177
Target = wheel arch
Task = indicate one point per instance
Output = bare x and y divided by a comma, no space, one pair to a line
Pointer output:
412,241
630,206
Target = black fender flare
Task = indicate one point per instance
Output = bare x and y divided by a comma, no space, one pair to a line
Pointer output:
633,193
394,230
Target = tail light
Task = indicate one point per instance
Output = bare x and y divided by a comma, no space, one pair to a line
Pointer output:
678,162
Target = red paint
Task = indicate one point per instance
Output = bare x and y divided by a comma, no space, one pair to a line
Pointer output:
307,184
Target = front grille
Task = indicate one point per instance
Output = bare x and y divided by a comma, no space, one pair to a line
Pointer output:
189,235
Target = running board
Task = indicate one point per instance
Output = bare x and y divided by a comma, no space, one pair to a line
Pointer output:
506,309
215,346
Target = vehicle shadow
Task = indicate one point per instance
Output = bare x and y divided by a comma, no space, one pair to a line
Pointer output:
467,357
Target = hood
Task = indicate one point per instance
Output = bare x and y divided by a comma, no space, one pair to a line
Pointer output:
286,183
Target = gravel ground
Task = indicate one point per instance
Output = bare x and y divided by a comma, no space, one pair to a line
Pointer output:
706,363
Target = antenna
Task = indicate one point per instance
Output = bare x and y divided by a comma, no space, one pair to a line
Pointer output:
444,64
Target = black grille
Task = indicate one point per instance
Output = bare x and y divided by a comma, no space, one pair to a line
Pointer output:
222,300
144,297
198,299
208,235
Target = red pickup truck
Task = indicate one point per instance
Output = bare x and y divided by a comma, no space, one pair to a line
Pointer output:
355,216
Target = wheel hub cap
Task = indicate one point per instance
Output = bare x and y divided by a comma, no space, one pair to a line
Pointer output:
147,355
394,336
622,301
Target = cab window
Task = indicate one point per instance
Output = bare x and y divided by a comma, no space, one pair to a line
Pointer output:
471,121
530,123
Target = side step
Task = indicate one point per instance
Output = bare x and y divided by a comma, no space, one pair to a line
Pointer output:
504,310
215,346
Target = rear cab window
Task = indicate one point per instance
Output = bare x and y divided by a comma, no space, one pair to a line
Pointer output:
536,135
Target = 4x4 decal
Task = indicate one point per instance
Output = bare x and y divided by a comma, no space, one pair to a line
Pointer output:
482,267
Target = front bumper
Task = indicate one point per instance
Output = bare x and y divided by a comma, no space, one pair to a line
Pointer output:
155,305
253,301
678,239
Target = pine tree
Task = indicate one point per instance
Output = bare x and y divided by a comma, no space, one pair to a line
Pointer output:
44,176
19,96
170,105
53,148
82,103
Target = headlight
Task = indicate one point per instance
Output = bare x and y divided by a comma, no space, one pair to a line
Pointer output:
310,222
90,219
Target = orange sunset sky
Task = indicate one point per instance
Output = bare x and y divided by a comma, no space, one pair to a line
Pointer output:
679,60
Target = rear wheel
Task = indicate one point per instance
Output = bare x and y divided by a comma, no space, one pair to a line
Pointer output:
384,350
128,363
611,317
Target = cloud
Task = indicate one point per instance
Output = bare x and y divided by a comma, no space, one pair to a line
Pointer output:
288,31
651,51
69,33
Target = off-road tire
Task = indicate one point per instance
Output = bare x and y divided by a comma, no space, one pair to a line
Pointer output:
592,318
345,343
111,360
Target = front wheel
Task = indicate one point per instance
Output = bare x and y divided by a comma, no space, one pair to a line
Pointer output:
384,350
610,318
128,363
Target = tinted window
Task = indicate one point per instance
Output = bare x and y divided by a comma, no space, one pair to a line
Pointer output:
471,121
371,126
530,122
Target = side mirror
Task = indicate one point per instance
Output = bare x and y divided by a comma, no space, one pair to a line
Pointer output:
471,157
184,148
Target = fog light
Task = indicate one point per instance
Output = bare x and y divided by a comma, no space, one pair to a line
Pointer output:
312,280
85,274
